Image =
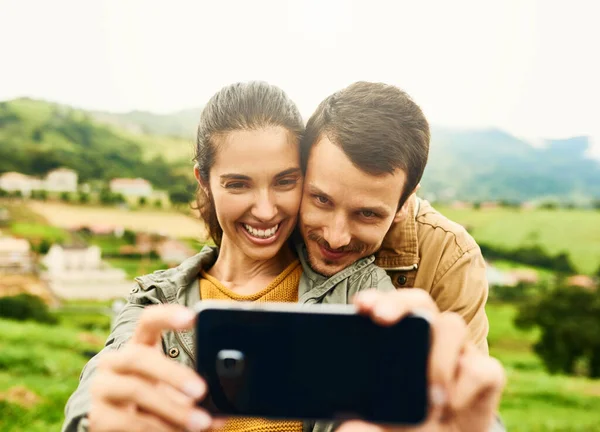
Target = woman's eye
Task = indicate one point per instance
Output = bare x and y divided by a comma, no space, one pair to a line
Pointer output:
287,182
235,185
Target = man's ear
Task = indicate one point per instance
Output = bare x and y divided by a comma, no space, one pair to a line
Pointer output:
402,212
202,183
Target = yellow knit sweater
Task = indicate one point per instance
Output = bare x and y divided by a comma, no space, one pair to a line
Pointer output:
284,288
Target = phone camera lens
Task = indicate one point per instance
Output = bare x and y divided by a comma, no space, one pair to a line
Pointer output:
230,363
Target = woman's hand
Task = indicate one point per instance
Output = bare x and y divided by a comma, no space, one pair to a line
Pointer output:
465,385
138,388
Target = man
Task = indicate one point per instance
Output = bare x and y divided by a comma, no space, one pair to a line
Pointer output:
364,153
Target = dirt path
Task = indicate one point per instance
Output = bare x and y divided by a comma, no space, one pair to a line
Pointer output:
165,222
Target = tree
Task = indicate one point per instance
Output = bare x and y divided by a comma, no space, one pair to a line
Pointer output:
106,196
129,236
179,196
562,263
44,246
569,323
119,198
142,201
37,135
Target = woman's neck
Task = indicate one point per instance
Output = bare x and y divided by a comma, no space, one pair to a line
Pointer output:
245,275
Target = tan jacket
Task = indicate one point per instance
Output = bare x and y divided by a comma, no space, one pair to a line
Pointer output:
428,251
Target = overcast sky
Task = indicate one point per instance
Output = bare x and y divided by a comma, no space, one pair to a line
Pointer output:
529,67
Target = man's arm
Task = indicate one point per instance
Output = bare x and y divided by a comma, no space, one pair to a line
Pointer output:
463,289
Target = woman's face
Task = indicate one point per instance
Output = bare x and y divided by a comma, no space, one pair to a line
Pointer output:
256,184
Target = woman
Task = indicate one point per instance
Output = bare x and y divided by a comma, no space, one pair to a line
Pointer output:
250,186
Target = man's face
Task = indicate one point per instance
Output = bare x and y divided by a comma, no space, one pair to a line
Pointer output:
345,212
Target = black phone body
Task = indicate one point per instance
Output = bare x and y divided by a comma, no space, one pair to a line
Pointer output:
318,362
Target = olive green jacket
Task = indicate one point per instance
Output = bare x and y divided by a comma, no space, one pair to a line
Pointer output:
180,286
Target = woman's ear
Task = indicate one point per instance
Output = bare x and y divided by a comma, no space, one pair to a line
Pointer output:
203,185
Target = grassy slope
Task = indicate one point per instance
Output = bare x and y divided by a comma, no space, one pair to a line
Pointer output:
35,113
574,231
533,399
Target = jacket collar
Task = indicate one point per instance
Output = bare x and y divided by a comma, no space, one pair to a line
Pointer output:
175,282
400,247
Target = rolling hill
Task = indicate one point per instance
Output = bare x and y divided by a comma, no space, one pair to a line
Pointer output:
475,165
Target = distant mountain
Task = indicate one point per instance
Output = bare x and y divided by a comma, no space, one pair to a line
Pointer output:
492,164
464,164
181,124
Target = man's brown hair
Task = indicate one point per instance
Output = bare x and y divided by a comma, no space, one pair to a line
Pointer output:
378,126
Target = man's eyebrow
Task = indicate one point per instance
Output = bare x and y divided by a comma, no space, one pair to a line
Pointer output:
288,171
316,191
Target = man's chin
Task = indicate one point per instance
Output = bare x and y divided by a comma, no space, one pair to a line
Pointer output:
324,268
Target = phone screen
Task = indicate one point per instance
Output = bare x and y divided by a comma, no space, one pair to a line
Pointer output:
299,365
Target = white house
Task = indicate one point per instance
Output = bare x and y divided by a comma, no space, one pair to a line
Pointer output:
15,256
78,272
61,180
137,187
58,180
14,181
61,259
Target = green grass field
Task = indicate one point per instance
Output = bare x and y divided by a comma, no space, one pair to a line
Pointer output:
576,232
535,400
40,366
137,267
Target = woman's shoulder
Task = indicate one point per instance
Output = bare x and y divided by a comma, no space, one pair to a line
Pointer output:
170,281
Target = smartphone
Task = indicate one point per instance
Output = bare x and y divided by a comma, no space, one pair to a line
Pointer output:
311,362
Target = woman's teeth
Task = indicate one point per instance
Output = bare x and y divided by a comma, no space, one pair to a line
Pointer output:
261,233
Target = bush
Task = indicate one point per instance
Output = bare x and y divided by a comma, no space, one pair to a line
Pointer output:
84,198
533,255
44,246
158,203
41,195
142,201
24,307
515,294
65,196
85,321
569,320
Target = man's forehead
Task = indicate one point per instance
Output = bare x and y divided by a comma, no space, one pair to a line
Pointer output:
332,172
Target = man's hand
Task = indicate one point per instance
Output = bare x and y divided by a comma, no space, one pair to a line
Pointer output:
139,389
465,386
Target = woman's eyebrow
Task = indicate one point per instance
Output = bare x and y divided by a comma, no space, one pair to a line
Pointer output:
288,172
234,177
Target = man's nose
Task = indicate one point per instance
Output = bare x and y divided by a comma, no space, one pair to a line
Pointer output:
264,209
337,232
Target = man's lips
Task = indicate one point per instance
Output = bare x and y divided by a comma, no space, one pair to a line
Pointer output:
332,255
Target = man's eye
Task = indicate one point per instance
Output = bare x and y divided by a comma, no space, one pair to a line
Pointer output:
368,213
322,199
